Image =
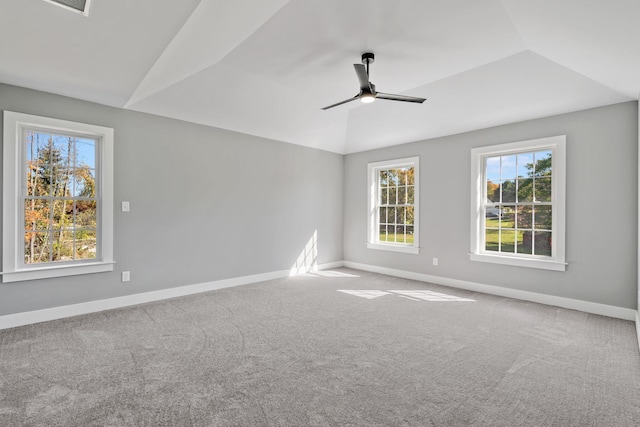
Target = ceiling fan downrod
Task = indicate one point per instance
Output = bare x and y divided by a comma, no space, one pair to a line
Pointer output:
368,58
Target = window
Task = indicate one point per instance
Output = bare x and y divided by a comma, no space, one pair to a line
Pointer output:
58,198
518,203
393,205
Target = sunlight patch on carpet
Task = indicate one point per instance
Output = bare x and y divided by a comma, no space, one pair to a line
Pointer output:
371,294
415,295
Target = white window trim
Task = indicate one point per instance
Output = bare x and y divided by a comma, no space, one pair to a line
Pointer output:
372,223
84,12
477,252
13,271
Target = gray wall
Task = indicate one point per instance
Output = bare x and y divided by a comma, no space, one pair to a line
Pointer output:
602,207
206,204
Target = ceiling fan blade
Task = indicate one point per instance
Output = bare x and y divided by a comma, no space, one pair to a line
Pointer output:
342,102
404,98
363,78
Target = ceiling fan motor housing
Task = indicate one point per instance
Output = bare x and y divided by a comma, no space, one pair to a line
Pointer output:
368,58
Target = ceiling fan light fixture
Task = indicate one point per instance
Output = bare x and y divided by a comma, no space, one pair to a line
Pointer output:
367,98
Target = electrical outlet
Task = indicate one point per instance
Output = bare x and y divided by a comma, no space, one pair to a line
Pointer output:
435,261
126,276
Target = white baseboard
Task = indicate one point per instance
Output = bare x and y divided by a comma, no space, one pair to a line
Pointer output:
586,306
638,326
37,316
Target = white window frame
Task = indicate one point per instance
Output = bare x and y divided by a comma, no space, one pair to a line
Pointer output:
14,161
557,144
84,12
373,241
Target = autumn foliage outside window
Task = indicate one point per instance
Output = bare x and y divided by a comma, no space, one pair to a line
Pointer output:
60,201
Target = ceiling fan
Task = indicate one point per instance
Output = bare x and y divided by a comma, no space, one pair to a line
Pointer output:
368,92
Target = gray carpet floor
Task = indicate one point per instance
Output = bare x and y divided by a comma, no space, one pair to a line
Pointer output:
318,350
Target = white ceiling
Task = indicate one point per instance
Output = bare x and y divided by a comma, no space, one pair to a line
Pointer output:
266,67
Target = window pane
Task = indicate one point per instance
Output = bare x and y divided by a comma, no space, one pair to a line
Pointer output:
493,192
391,215
525,243
410,191
84,182
38,178
492,239
543,217
410,234
62,183
86,244
383,178
383,233
492,219
383,196
393,177
85,153
401,212
509,191
402,195
542,163
391,233
393,192
36,248
524,217
508,167
508,217
525,164
402,173
60,149
525,190
410,210
543,189
411,176
87,214
62,245
36,214
492,169
507,240
542,243
62,214
383,215
34,145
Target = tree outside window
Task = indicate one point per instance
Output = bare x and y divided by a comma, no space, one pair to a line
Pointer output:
518,211
60,204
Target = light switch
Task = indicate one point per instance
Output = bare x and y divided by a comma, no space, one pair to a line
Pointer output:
125,206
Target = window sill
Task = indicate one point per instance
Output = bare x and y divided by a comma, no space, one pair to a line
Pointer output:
519,262
56,271
394,248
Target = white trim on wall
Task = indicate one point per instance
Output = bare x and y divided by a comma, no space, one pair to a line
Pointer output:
638,327
638,263
586,306
37,316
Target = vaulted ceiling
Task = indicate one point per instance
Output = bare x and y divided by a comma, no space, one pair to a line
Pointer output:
266,67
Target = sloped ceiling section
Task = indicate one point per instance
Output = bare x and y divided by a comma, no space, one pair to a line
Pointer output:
267,67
